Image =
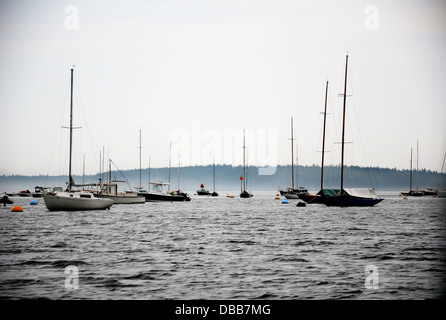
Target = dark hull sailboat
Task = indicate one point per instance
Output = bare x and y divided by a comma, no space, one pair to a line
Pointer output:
362,197
417,193
317,198
357,197
244,193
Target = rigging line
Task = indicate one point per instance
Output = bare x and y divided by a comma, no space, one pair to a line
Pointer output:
362,135
85,119
58,132
121,174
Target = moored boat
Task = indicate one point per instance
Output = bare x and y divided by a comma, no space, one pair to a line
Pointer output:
70,200
157,193
202,191
353,197
292,192
243,192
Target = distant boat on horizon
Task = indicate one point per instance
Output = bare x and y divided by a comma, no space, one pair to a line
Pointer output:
202,191
243,192
292,192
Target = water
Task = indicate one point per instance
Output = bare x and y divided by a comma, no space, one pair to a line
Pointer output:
222,248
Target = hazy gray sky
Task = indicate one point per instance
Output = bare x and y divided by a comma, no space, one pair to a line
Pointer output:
198,72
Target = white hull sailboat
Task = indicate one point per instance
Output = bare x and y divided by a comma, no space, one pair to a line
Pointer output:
69,200
75,201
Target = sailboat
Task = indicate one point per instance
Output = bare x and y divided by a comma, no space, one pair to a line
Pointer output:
293,193
352,197
243,192
309,198
69,200
415,193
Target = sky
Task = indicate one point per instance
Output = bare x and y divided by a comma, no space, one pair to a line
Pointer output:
183,80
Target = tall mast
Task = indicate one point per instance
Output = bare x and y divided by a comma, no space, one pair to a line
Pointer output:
213,169
139,159
292,154
170,153
178,172
410,170
323,137
417,165
149,173
244,180
343,128
70,178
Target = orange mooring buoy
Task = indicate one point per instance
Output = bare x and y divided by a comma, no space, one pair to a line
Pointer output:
17,209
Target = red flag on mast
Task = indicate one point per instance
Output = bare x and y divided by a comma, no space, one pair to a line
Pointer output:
241,177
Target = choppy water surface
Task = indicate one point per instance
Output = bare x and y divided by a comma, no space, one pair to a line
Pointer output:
223,248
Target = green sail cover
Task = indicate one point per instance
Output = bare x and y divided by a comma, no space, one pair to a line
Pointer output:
329,192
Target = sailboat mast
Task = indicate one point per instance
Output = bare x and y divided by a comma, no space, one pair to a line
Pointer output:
139,159
417,165
410,170
149,173
292,154
244,180
343,128
178,172
213,169
170,155
323,137
70,178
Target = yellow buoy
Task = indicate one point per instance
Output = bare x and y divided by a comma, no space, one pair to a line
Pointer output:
277,198
17,209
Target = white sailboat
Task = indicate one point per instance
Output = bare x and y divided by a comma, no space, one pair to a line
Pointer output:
74,200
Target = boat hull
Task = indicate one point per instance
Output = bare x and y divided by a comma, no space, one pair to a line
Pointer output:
5,200
55,202
149,197
311,198
245,194
123,199
342,201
